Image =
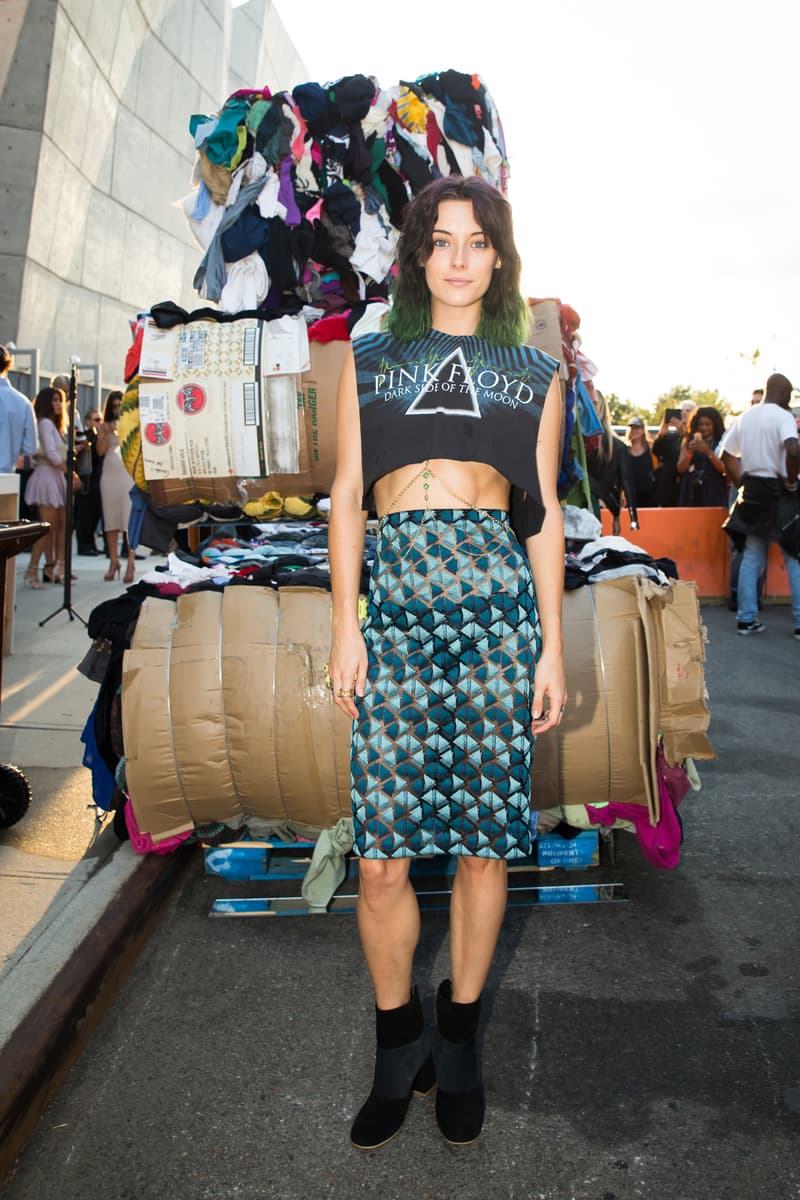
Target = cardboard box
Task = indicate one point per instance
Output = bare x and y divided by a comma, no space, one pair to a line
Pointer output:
315,419
545,331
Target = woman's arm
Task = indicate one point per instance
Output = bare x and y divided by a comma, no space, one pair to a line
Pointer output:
348,661
103,437
51,447
546,555
685,457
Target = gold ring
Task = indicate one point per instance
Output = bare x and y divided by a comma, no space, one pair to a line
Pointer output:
345,693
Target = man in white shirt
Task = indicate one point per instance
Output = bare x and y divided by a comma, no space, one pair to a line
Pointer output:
760,452
17,420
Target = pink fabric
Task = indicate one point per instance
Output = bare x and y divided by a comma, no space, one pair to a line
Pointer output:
660,844
143,843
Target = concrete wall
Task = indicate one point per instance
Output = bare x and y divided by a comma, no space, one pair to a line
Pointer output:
94,111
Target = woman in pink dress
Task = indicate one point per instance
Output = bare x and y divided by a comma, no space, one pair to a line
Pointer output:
47,486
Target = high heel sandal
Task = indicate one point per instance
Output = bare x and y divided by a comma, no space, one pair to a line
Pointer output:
57,573
130,573
112,572
47,573
31,578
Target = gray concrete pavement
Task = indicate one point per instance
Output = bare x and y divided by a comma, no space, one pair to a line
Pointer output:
642,1050
48,857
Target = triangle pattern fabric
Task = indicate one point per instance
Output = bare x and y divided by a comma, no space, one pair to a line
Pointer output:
441,750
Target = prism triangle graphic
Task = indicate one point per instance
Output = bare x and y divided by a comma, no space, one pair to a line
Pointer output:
450,390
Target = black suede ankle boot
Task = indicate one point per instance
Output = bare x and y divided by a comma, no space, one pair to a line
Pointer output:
460,1102
403,1066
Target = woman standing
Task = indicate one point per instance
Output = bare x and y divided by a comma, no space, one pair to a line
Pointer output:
703,482
448,424
115,486
641,460
47,486
608,465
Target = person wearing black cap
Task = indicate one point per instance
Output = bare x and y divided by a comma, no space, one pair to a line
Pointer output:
17,420
641,461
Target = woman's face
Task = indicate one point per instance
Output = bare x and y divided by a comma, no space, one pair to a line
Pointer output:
460,265
705,427
636,432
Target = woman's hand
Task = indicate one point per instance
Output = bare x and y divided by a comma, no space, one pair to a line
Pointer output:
700,446
549,693
348,671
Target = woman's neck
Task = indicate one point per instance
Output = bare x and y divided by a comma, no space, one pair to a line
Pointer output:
458,322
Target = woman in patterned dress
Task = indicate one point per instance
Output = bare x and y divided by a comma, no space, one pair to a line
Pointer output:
449,425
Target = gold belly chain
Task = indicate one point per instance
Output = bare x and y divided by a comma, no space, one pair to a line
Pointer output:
426,473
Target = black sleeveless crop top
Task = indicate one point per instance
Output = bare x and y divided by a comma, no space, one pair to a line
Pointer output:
458,397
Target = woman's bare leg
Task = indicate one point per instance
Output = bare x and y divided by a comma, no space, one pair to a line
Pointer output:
477,909
46,543
388,923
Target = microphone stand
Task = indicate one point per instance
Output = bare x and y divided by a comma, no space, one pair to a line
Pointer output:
66,604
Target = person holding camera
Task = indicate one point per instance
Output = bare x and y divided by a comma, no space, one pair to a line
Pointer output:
702,475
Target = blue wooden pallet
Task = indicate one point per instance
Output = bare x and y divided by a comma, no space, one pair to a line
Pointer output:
518,897
252,861
280,861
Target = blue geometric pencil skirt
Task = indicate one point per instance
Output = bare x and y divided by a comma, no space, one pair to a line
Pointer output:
441,751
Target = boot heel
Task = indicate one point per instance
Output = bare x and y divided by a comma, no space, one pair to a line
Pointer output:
425,1078
402,1060
460,1100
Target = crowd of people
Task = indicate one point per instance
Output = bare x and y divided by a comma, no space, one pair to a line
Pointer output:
33,442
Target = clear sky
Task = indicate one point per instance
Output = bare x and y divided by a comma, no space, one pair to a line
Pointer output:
655,173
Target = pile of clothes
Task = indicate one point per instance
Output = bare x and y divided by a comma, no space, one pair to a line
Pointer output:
300,194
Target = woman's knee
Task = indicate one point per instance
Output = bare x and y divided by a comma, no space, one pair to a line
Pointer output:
382,879
477,869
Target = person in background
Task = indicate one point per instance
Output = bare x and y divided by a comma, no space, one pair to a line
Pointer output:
610,475
47,486
17,422
115,486
757,396
760,453
88,505
703,479
642,463
666,451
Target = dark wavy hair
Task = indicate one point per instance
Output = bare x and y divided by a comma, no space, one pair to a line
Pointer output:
504,312
108,407
43,407
714,415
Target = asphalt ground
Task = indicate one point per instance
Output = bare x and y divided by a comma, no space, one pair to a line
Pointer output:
647,1049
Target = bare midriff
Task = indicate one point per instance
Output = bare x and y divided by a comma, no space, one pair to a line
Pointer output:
441,483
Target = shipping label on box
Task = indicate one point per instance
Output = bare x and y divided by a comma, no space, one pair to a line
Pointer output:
219,399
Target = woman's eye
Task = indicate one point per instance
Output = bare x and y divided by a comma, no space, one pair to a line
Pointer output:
480,244
440,243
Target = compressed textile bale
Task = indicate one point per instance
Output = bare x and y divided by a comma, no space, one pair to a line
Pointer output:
227,712
242,720
151,769
604,749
